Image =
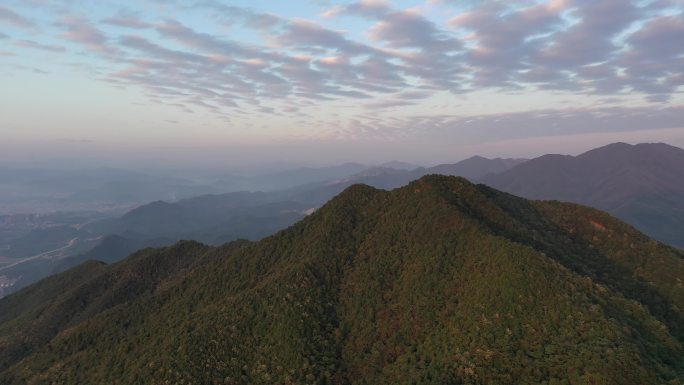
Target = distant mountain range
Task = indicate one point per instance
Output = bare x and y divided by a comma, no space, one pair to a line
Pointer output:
473,168
642,184
108,190
213,219
438,282
289,178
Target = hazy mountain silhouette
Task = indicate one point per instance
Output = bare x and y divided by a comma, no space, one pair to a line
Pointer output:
290,178
642,184
473,168
476,167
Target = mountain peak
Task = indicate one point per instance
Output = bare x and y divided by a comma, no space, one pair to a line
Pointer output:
476,158
441,183
617,145
622,147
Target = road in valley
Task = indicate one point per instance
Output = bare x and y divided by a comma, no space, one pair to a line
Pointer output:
41,255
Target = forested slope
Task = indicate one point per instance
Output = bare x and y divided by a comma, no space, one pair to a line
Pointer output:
441,281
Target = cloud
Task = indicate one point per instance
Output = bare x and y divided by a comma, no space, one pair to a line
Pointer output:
483,128
500,39
80,30
192,39
247,17
591,38
660,37
215,73
577,46
12,18
158,52
310,36
365,8
76,140
40,46
371,54
427,52
410,29
384,104
653,62
126,21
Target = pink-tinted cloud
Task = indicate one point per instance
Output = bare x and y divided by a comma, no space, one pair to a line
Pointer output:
400,58
40,46
127,21
80,30
410,29
10,17
364,8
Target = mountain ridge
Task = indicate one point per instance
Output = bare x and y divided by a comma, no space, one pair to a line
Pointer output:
441,281
643,184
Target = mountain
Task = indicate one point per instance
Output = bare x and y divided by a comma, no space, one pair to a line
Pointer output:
440,281
398,165
110,249
211,219
214,219
476,167
642,184
39,240
282,180
46,190
473,168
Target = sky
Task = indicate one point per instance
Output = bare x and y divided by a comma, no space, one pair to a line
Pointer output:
320,82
